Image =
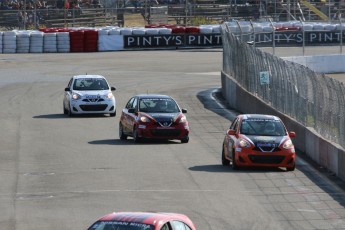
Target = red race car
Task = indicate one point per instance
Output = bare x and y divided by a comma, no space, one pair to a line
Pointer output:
153,116
258,140
143,221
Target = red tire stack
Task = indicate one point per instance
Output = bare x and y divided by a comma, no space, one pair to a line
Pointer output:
178,30
76,41
192,30
90,41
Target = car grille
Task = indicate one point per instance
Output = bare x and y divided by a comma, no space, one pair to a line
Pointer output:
165,122
93,100
266,159
93,107
267,149
165,132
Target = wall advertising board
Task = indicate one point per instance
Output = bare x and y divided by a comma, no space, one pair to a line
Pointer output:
172,40
293,38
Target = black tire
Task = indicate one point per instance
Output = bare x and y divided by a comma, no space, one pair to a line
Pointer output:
121,133
290,169
112,114
225,162
69,111
136,138
64,109
234,165
185,140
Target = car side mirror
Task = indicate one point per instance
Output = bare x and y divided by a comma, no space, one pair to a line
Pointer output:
231,132
184,110
131,110
67,89
292,134
112,88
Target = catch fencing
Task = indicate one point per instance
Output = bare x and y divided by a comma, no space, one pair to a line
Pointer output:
311,98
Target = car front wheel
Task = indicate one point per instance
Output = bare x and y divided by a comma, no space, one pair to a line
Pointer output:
113,114
121,134
69,111
225,161
185,140
234,164
65,111
292,168
136,137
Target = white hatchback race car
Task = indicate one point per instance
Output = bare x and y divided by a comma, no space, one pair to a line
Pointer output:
89,94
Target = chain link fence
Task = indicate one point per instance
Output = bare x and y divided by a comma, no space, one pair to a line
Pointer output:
311,98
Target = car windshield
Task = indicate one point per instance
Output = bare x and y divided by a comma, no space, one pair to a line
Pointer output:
262,127
120,225
158,105
84,84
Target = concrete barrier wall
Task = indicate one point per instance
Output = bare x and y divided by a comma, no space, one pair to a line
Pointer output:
327,154
321,63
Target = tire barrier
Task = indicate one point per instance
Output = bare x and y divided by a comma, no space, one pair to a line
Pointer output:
76,41
90,41
1,34
113,38
63,42
36,42
9,42
23,42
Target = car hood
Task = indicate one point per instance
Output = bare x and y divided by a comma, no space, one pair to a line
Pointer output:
160,116
266,141
92,92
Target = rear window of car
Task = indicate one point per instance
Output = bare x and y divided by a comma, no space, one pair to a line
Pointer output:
262,127
120,225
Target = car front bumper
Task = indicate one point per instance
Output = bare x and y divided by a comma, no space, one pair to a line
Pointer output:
81,107
178,132
284,158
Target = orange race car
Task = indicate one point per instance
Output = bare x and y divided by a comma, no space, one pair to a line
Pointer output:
258,140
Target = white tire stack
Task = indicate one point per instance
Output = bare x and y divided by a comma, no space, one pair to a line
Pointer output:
126,31
205,29
36,42
63,42
138,31
152,31
9,42
114,32
165,30
1,35
23,42
216,29
49,43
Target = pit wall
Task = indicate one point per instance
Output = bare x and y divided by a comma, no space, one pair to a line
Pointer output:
327,154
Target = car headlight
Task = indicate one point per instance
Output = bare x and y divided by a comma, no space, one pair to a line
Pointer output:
243,143
183,119
144,119
76,96
288,144
110,96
